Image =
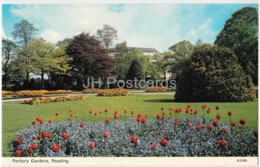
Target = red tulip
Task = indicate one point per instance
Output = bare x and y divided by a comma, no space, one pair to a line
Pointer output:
188,106
210,127
41,121
187,110
106,110
215,122
95,114
90,111
39,137
176,122
157,132
34,122
203,126
218,116
55,147
125,111
132,112
162,108
224,130
146,115
190,124
242,121
116,116
65,135
222,143
196,111
138,119
18,153
197,127
57,113
70,110
50,121
208,111
19,140
204,106
163,113
71,115
45,134
134,139
81,124
69,119
229,113
158,116
153,146
105,134
240,126
232,123
139,115
217,107
34,146
164,142
143,120
92,145
29,149
107,121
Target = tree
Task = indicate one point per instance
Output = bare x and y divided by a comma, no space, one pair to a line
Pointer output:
107,35
24,32
8,55
181,51
162,62
240,34
135,71
64,43
45,58
90,58
199,42
123,58
213,74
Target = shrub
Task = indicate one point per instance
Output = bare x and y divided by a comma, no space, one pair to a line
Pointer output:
195,137
34,101
112,92
213,74
155,89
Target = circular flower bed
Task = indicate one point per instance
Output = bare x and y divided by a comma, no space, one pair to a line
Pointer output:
136,137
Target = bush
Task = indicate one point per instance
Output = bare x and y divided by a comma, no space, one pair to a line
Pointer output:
213,74
136,137
112,92
155,89
58,92
4,93
51,100
91,90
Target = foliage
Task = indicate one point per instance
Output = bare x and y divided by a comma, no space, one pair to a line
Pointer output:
212,74
135,71
155,89
35,101
240,34
90,58
4,93
112,92
162,62
9,50
107,34
63,44
123,58
181,51
58,92
186,136
24,32
91,90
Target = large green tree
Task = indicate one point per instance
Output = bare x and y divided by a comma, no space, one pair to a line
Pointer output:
107,34
44,59
240,34
9,49
135,72
213,74
180,52
90,58
24,32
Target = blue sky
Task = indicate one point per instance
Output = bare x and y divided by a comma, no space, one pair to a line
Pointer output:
140,25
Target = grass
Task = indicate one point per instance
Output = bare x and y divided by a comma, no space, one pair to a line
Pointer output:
18,116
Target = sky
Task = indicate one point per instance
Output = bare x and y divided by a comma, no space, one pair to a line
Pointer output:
156,26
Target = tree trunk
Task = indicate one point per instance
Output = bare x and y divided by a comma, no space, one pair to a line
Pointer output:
42,81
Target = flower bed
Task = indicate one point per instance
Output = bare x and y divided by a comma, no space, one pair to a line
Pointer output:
155,89
4,93
91,90
180,136
29,93
112,92
34,101
58,92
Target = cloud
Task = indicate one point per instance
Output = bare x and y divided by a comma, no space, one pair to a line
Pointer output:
143,25
52,36
4,35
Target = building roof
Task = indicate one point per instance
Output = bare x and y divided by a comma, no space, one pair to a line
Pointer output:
145,50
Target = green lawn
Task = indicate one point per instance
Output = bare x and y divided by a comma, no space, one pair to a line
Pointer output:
18,116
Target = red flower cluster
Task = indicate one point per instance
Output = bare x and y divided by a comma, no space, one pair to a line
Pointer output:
107,121
232,123
81,124
229,113
210,127
153,146
215,122
158,116
242,121
218,116
65,135
46,134
197,127
92,145
18,153
19,140
105,134
143,120
34,146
